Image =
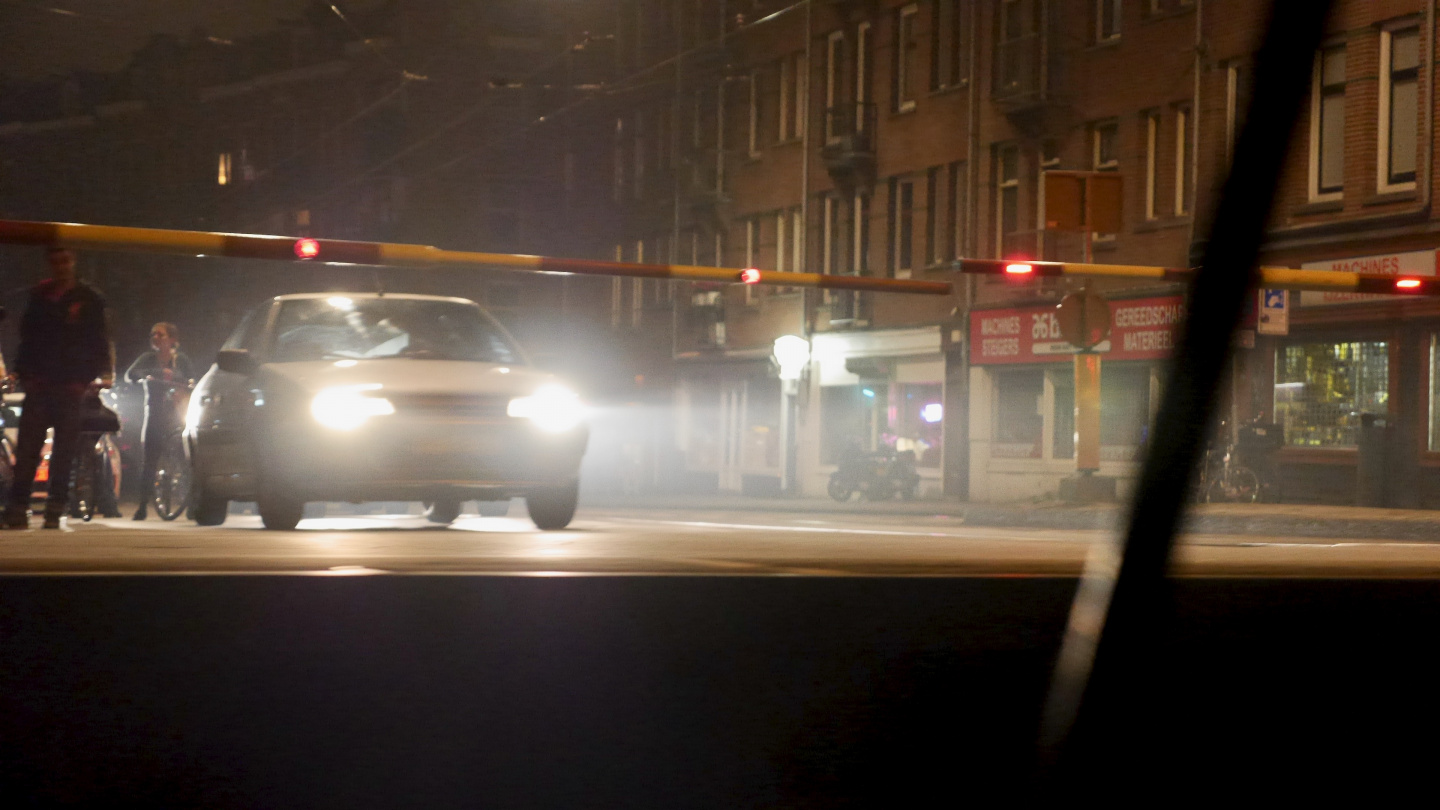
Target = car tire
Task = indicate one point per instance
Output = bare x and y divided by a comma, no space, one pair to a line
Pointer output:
443,512
280,513
210,510
553,508
494,508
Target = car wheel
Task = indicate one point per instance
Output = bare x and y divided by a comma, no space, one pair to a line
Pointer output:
443,512
494,508
280,513
554,508
210,510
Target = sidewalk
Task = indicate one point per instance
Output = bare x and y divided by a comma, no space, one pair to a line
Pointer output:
1282,520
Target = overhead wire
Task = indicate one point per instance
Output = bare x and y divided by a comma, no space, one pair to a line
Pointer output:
624,84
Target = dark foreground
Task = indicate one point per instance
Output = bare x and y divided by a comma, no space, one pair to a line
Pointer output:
625,691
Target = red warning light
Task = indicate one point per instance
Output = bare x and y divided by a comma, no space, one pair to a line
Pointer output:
1019,269
750,276
307,248
1407,284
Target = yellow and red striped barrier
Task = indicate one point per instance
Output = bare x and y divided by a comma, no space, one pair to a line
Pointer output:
389,254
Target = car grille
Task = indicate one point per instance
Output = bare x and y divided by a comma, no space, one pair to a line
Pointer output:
451,407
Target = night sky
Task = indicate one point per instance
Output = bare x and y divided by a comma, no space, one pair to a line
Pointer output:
35,40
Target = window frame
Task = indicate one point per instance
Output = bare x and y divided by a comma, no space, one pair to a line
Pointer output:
1384,175
1102,34
834,80
1319,91
906,18
1182,160
1152,145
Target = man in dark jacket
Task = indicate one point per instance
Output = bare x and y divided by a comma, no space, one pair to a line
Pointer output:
64,350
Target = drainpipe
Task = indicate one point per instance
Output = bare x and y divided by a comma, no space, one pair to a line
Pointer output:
1279,237
1195,120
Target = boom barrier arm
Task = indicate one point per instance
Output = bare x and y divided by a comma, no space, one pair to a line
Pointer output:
391,254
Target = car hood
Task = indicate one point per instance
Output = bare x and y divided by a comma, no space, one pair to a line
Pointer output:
411,376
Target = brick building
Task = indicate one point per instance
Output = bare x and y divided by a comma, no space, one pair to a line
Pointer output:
924,132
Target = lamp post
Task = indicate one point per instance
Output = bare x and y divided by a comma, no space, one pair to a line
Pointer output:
791,354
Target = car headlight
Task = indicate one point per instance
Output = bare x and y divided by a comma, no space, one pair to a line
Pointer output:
553,408
347,407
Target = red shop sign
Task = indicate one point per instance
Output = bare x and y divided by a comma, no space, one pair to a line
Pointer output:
1141,329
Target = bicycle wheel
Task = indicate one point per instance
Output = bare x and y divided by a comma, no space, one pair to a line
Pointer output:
1236,485
172,480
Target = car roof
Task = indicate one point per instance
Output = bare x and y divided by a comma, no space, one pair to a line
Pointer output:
373,296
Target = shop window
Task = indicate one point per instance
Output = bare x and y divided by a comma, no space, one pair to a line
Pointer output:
1124,410
913,418
1019,424
1435,394
1322,389
1062,445
844,422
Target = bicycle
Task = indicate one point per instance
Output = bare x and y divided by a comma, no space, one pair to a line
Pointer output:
1223,479
174,480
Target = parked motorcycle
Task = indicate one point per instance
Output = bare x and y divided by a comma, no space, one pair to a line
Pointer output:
876,476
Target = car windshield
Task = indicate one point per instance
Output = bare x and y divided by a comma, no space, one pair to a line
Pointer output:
339,327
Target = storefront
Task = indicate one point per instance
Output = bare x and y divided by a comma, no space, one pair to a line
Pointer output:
1351,359
874,390
728,427
1022,395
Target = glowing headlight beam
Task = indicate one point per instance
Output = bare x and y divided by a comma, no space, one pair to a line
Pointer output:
348,407
552,408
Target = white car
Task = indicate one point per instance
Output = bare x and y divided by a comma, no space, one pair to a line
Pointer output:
380,397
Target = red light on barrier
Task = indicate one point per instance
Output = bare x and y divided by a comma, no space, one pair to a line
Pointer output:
1407,284
307,248
750,276
1019,269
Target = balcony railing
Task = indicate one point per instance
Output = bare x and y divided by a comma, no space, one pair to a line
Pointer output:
1019,77
849,150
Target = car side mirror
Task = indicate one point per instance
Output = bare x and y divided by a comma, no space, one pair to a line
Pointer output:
236,361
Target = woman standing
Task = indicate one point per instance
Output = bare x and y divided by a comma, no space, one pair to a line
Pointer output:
163,371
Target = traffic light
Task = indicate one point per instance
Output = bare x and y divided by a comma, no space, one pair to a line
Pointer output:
306,248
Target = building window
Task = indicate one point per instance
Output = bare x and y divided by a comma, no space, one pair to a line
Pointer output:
1237,102
1124,410
860,235
933,251
1327,125
954,205
781,220
1007,184
1105,140
1182,161
618,159
792,97
831,238
223,174
1399,107
752,255
1322,389
1107,20
637,287
1019,426
906,57
902,226
638,156
834,77
947,57
862,72
617,291
1152,136
1434,394
797,241
754,120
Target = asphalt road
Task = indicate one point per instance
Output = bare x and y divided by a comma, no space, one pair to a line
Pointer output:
651,541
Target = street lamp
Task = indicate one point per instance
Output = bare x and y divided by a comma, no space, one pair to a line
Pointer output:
792,354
